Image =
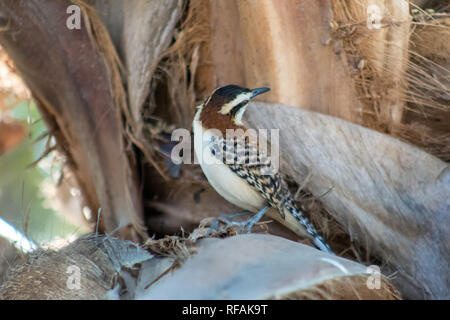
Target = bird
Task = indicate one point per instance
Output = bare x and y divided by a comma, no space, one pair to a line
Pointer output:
238,168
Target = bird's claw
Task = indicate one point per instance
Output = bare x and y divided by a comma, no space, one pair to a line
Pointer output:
225,219
248,224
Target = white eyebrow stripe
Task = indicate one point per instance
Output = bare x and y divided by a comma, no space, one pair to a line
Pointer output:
230,105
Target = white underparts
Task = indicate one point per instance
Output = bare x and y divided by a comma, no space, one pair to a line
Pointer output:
239,114
227,183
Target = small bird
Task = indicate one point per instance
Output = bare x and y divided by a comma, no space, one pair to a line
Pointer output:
236,166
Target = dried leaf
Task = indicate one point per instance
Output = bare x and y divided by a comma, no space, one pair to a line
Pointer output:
391,197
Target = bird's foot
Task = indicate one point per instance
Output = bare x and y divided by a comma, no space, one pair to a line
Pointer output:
226,219
247,224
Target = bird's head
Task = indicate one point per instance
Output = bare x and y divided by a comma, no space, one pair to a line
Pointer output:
227,105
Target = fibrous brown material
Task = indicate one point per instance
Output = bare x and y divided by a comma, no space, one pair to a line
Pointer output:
375,38
8,256
429,40
427,123
400,67
346,288
47,274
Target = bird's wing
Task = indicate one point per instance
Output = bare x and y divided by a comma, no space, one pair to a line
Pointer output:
251,164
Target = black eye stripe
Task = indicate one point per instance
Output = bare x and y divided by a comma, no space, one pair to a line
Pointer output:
237,107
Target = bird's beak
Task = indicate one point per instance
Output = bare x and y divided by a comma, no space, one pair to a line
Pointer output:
258,91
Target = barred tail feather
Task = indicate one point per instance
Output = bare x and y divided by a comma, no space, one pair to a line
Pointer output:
317,239
322,245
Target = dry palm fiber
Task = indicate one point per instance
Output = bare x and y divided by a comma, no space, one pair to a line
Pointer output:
377,54
346,288
405,62
96,260
428,117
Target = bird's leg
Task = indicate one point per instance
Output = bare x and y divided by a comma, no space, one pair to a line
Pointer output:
251,222
226,219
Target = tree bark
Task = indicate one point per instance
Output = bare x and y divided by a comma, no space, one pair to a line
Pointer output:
72,80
